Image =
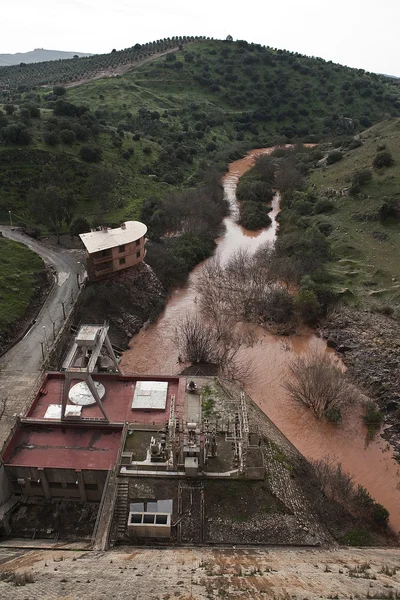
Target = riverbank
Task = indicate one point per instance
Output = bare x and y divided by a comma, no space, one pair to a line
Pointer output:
153,350
369,345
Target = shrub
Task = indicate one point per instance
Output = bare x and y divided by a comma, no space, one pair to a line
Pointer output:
279,306
67,136
79,225
390,208
91,153
254,216
9,108
380,514
307,305
334,157
372,416
323,205
59,90
361,177
16,133
51,138
250,190
317,383
383,159
355,144
325,228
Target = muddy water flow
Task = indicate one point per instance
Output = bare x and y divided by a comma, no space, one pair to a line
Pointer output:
152,351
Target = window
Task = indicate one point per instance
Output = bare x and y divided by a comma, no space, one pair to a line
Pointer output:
138,254
55,485
137,242
122,248
104,266
106,252
121,261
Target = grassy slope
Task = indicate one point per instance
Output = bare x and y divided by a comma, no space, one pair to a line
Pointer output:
368,267
18,267
228,94
20,168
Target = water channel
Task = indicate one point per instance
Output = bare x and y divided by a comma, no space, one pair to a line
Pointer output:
153,351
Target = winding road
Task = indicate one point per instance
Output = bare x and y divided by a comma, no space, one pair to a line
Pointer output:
20,367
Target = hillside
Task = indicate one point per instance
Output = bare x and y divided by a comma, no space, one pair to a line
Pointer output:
22,277
37,55
161,125
366,219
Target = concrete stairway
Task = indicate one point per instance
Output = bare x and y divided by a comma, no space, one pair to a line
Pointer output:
121,508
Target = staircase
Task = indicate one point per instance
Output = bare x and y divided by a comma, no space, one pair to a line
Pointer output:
121,508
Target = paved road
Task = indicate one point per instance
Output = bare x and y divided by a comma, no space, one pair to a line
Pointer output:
26,356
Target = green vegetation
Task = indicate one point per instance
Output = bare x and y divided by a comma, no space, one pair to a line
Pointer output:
207,400
19,269
365,225
356,537
254,192
161,125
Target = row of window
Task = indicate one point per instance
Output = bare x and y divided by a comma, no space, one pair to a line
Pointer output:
69,486
122,261
122,247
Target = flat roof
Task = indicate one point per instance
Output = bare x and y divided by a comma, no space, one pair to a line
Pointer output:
95,241
117,401
66,447
150,395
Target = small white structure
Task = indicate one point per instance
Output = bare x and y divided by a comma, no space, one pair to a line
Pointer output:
150,395
155,522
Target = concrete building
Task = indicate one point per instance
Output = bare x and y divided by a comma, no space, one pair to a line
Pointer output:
111,250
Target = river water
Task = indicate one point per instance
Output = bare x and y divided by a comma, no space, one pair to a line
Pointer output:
153,352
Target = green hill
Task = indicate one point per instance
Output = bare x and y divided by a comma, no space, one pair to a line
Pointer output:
366,219
160,126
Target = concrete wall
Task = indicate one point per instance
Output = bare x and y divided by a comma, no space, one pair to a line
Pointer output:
49,483
6,488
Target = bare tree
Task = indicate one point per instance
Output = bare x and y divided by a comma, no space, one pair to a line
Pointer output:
317,383
235,290
202,342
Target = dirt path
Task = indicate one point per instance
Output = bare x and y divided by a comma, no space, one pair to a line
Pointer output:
118,70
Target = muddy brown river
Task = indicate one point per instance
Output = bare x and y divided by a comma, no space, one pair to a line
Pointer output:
152,351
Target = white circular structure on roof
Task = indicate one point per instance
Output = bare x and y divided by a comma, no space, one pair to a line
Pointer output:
81,395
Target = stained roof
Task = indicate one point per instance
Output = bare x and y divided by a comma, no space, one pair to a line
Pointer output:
95,241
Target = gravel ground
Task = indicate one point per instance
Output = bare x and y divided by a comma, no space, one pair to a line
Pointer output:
202,573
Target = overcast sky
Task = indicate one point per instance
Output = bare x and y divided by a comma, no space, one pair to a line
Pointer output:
358,33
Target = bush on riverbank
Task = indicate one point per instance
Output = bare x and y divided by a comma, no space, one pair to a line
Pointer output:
254,193
339,485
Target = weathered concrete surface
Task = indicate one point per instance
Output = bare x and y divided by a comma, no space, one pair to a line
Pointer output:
202,573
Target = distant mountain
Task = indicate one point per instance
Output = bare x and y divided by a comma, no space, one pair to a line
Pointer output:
37,55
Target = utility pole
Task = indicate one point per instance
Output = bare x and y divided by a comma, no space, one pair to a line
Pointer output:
45,337
11,223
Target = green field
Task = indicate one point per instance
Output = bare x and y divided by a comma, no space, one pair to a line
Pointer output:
19,268
367,248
